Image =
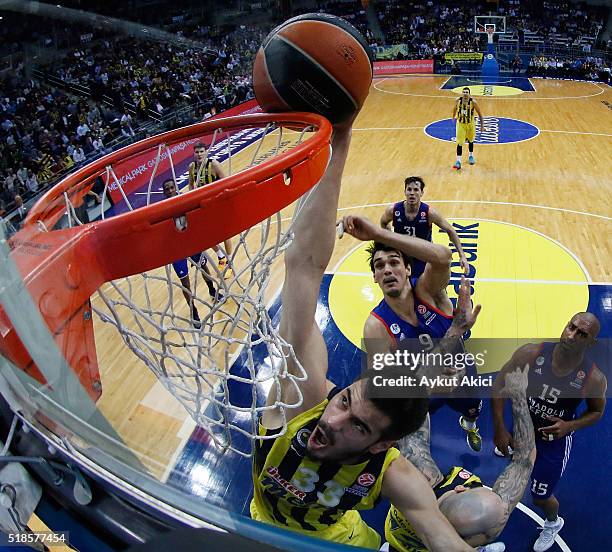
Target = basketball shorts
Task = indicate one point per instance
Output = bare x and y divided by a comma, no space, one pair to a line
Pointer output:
182,268
349,529
466,131
549,466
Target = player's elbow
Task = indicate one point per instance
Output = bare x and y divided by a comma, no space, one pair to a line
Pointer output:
442,257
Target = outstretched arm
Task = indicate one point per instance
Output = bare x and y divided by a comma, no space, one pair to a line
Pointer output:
305,262
443,224
415,447
511,484
411,494
502,438
386,217
437,256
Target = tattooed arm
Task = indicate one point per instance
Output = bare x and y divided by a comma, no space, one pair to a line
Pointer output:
511,484
415,447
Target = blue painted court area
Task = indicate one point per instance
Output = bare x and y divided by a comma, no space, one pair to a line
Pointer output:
493,130
522,83
225,479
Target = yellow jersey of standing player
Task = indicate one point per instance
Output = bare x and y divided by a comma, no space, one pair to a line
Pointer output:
464,111
316,498
400,534
203,170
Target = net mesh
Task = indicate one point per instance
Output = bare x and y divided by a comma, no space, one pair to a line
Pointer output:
209,336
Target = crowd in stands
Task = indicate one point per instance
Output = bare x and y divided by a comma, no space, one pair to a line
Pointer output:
430,28
46,130
588,68
554,19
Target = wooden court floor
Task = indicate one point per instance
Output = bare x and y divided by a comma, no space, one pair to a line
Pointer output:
543,207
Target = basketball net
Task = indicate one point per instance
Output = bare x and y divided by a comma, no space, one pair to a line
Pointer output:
221,368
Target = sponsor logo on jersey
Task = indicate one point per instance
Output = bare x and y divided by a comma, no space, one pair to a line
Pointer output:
540,361
274,474
430,318
366,479
423,214
538,371
358,490
397,213
464,474
395,329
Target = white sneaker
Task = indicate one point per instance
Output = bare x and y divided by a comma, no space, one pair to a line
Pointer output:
493,547
498,452
548,534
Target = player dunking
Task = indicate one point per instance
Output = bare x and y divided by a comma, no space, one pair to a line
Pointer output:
412,307
478,514
336,456
202,171
414,218
463,113
181,267
562,375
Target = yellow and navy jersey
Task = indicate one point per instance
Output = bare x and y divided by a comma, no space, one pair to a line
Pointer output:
303,494
465,111
206,174
398,531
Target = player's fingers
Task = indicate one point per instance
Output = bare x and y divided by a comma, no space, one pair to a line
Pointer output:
476,312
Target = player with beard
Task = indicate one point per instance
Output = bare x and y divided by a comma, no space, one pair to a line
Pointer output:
337,454
562,376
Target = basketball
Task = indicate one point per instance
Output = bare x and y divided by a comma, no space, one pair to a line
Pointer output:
314,62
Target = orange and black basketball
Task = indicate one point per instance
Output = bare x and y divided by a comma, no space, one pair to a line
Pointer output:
314,62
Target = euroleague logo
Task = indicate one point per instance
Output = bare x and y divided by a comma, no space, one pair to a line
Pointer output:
422,309
493,130
366,479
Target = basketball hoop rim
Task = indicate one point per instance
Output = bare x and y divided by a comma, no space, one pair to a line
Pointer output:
52,201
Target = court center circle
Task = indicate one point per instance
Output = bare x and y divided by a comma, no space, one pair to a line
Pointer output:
494,130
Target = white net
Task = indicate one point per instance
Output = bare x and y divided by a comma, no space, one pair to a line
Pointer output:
202,325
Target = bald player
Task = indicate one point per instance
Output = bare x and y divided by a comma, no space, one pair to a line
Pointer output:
562,376
478,514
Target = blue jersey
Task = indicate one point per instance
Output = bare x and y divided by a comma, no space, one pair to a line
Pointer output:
550,395
430,320
419,226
